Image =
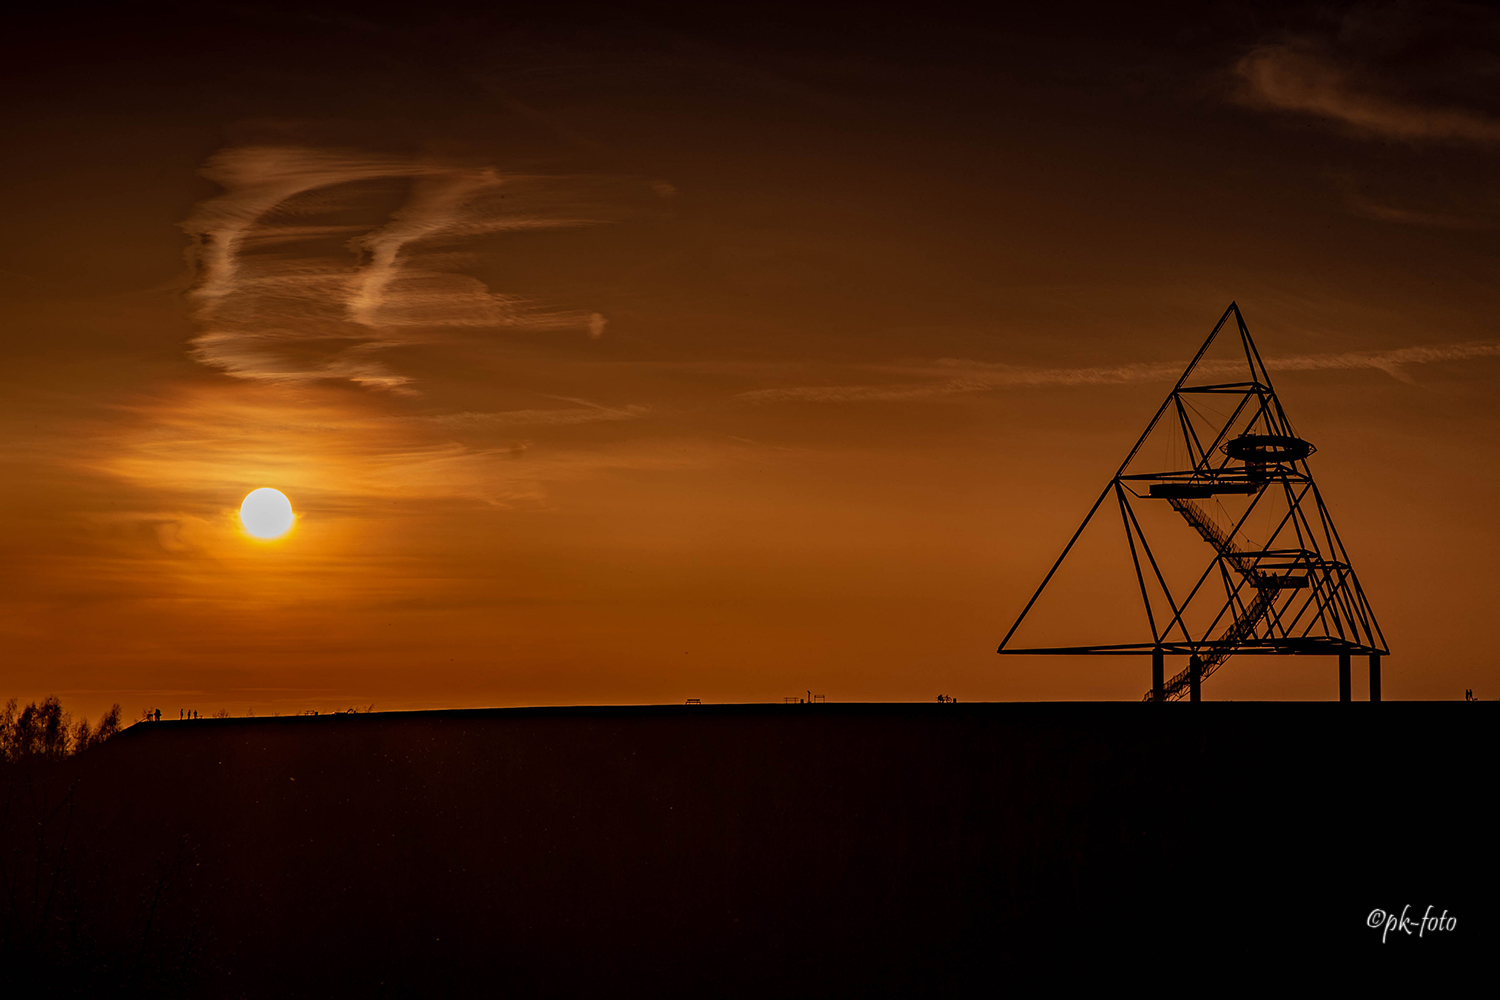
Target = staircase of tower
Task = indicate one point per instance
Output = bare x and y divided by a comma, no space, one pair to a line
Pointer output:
1244,626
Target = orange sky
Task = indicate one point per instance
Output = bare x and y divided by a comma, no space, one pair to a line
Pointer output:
631,357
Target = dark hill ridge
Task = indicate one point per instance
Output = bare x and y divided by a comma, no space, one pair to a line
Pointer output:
747,849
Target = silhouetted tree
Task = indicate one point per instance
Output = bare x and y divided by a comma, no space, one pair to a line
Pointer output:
45,730
84,736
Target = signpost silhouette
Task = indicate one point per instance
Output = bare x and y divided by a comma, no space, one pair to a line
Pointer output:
1237,466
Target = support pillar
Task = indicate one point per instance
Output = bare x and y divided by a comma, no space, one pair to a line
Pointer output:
1345,688
1195,678
1374,676
1158,675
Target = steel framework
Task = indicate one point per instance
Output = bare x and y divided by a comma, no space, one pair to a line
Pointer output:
1291,591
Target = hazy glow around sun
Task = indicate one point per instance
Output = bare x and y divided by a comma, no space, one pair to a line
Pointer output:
267,513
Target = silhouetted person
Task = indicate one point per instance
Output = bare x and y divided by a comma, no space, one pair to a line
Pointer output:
158,715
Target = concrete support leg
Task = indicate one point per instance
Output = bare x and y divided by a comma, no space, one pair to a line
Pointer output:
1345,688
1374,676
1158,675
1195,678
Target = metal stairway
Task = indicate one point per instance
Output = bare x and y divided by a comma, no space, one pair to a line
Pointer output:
1245,624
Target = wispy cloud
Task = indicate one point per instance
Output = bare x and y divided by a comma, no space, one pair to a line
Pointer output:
1360,205
557,417
197,447
196,442
304,271
951,377
1305,78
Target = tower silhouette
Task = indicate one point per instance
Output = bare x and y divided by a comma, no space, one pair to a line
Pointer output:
1222,456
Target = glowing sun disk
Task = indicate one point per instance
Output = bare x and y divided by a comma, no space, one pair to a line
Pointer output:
267,513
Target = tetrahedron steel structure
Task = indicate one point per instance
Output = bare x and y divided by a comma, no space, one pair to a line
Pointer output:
1275,577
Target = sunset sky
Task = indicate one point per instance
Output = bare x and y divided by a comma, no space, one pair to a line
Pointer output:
622,354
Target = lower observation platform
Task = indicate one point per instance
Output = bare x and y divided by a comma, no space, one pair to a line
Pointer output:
1308,646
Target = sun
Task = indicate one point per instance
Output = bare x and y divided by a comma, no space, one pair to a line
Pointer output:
267,513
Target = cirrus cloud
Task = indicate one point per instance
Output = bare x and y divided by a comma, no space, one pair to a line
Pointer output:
1307,79
312,262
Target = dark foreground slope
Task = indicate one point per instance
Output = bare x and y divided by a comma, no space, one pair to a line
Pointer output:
749,850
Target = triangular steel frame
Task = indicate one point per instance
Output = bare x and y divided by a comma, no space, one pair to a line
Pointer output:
1295,594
